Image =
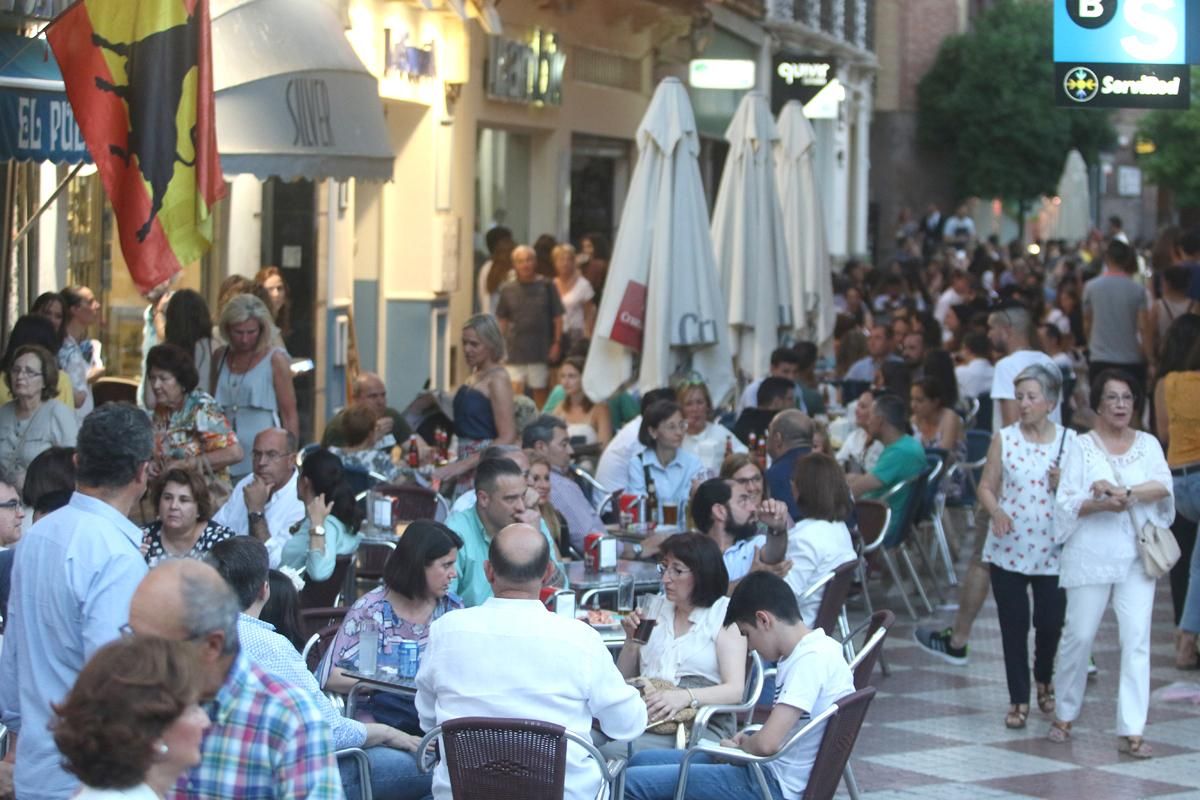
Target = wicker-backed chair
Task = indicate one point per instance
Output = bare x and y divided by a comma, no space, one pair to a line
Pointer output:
831,613
325,594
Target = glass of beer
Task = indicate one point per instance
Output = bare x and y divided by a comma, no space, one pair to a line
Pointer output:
670,513
648,610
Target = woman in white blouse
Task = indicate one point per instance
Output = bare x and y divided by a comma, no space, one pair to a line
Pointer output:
859,452
1112,479
707,440
820,541
690,645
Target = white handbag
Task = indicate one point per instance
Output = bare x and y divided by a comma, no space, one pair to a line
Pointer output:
1156,545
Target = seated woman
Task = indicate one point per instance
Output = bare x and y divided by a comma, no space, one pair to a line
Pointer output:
360,451
662,460
690,646
190,429
707,440
32,421
415,592
588,423
132,723
539,481
184,528
939,427
282,608
860,452
330,527
820,541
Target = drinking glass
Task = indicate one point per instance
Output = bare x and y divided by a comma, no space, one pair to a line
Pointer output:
649,611
368,647
625,592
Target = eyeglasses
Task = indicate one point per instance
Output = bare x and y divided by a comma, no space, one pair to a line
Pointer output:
1118,399
25,372
748,481
675,572
10,505
672,427
127,632
269,456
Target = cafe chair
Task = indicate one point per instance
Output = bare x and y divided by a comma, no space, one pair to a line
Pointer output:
895,541
512,759
843,720
409,503
831,613
874,518
983,417
324,594
115,390
978,443
362,765
863,664
370,559
601,499
3,740
755,677
933,506
316,620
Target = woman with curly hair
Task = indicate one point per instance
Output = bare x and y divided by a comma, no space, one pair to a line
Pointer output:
132,724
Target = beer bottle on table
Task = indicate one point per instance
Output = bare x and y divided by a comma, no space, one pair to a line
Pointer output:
652,510
761,455
728,446
414,454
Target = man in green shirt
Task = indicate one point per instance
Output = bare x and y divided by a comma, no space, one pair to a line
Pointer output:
903,457
500,502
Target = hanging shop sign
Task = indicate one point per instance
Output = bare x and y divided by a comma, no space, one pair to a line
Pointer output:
799,77
1123,53
405,60
721,73
526,71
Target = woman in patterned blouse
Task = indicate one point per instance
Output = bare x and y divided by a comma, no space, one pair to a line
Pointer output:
184,528
190,430
362,451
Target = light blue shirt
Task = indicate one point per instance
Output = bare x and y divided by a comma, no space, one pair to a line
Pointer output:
472,584
276,656
75,573
672,483
319,566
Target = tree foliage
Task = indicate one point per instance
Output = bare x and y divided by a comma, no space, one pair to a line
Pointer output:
987,103
1175,162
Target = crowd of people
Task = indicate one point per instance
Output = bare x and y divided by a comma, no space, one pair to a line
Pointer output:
148,578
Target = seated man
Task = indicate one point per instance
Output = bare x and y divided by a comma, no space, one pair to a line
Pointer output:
613,467
267,740
242,562
789,437
500,489
390,427
751,540
812,676
548,435
785,363
511,658
811,401
265,504
774,395
902,457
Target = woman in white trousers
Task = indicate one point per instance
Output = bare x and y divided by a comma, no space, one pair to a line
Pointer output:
1113,478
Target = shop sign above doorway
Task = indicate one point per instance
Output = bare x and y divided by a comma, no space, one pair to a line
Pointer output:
1124,53
800,77
721,73
36,120
526,71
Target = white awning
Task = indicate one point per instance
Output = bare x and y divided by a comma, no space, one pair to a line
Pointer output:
293,100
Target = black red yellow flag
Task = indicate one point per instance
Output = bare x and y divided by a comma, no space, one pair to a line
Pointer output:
138,74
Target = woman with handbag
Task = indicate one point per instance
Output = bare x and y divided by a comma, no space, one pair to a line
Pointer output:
190,430
1112,510
690,658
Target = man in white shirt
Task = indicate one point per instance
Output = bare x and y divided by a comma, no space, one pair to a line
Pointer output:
812,676
725,513
613,468
958,293
552,668
264,504
785,363
975,376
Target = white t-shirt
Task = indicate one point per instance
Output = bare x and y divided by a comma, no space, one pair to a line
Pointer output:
740,556
815,547
975,377
573,302
613,470
812,678
1007,369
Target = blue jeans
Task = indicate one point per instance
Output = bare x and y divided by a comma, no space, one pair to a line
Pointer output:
394,775
1190,619
653,775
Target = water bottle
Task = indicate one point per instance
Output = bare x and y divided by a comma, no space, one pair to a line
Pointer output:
368,648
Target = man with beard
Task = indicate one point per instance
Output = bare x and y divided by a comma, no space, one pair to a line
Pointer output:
751,539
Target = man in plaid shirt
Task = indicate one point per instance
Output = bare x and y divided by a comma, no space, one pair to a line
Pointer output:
266,739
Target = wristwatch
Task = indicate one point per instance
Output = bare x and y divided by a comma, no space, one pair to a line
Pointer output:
255,516
694,703
318,530
637,549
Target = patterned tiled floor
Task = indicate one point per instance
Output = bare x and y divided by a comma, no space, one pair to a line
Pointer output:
936,730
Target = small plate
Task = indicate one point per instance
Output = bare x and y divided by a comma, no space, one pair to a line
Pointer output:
615,625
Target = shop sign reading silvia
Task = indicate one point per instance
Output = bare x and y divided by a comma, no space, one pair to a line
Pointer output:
528,71
1123,53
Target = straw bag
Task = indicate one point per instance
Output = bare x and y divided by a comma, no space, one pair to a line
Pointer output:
1156,545
667,727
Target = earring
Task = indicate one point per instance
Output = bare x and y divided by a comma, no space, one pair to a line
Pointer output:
163,749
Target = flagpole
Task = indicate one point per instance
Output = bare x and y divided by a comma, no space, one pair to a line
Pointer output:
38,35
16,240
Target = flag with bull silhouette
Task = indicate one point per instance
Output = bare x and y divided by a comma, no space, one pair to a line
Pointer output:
138,74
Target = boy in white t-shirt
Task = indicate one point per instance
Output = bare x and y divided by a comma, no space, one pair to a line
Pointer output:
812,676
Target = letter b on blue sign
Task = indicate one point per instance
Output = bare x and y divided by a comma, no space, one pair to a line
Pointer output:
1091,14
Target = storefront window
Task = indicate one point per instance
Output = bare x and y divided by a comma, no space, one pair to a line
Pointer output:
502,185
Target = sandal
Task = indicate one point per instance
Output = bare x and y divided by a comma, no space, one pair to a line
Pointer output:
1134,747
1015,718
1045,698
1060,732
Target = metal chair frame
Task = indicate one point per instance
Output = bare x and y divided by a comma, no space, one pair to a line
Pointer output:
600,496
612,771
363,765
901,546
932,503
755,678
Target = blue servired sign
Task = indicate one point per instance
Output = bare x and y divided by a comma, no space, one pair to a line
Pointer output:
1121,31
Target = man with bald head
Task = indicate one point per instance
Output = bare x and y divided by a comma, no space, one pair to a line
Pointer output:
390,427
530,314
72,579
267,739
552,668
789,437
265,504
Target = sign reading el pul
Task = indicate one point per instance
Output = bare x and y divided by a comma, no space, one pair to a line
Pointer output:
1124,53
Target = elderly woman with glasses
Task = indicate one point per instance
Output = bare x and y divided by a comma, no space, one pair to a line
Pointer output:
689,647
33,421
1114,481
707,440
662,460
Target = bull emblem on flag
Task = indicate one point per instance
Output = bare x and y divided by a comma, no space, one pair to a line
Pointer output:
138,74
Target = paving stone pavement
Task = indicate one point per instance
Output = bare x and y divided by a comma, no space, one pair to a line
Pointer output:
936,730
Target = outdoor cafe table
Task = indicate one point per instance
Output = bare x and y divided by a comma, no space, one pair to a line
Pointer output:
377,682
588,584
